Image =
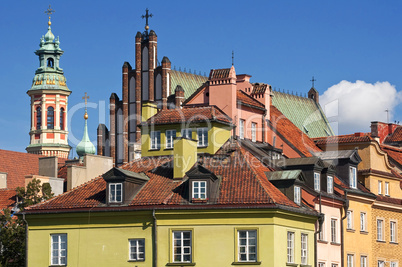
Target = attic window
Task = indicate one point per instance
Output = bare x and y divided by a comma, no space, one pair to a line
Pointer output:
330,184
297,197
199,190
115,192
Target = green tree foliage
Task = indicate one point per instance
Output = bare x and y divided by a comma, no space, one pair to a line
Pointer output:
12,228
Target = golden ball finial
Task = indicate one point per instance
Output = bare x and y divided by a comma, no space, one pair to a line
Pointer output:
49,23
146,27
86,116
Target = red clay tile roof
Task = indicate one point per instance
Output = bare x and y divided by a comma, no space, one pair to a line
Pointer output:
349,138
259,88
369,171
17,165
189,114
7,198
393,152
219,74
395,137
391,200
300,141
248,100
243,182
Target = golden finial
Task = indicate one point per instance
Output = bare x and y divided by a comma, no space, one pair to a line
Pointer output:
86,97
49,12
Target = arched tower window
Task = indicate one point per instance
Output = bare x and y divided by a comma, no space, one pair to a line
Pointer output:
62,119
38,118
50,62
50,118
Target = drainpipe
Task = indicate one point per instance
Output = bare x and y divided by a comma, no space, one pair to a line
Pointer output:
320,221
346,207
26,240
155,231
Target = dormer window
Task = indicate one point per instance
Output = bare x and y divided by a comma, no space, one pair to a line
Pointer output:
253,131
187,133
352,177
202,137
155,139
199,190
115,192
297,195
330,184
241,129
317,177
170,135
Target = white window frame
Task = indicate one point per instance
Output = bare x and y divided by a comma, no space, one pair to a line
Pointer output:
349,219
321,264
113,189
381,263
350,259
291,247
380,230
155,140
197,188
202,134
187,133
297,195
330,184
363,261
304,249
136,249
321,235
393,231
247,248
317,182
253,132
334,224
380,187
386,189
363,221
393,264
185,250
353,177
241,129
58,252
170,135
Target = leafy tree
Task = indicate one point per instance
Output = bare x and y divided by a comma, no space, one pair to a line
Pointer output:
12,228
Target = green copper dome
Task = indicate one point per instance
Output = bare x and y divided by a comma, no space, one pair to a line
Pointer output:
85,146
49,37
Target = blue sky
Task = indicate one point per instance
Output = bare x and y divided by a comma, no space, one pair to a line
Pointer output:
282,43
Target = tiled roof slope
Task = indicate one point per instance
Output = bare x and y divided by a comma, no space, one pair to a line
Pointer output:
243,182
348,138
248,100
259,88
189,114
303,112
295,137
395,137
394,153
17,165
7,198
189,82
219,73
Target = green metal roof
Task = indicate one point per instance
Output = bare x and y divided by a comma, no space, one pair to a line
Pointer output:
283,175
189,82
303,112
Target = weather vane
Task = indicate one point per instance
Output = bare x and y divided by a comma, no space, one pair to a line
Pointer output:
313,80
49,12
146,16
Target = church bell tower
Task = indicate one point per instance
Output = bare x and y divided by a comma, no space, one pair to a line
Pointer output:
49,98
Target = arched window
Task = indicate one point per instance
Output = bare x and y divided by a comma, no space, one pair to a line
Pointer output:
62,119
38,118
50,118
50,62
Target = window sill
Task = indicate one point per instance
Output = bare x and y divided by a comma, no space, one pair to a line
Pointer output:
292,264
381,241
364,232
322,241
202,146
194,200
181,264
351,230
335,244
246,263
305,265
393,243
168,148
135,260
154,149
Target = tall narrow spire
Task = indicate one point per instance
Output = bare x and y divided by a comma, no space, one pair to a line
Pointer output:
85,146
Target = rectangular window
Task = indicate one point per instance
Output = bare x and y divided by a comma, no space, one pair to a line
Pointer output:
380,229
393,233
350,260
137,249
247,245
291,247
363,261
333,230
352,177
187,133
317,186
182,246
59,249
155,139
170,136
386,189
379,187
253,131
321,233
304,250
241,129
349,216
362,221
334,265
115,192
297,195
202,137
394,264
321,264
381,264
199,189
330,184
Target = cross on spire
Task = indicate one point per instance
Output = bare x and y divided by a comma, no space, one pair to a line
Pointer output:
85,97
313,80
146,16
49,12
232,57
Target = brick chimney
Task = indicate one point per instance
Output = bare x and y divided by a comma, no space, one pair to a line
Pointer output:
179,96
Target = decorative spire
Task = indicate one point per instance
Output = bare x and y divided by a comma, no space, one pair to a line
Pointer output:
49,12
85,146
313,80
146,16
49,37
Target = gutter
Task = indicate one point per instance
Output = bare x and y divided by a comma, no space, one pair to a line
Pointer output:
155,232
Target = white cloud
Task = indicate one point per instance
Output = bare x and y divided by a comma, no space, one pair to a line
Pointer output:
352,106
